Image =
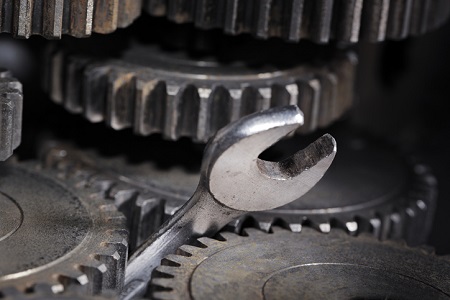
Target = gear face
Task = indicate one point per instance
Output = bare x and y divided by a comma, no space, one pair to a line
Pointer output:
70,238
320,21
369,188
78,18
11,100
306,265
156,91
44,292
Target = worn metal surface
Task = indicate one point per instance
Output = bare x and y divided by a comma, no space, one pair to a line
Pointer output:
78,18
155,90
52,234
11,101
44,292
318,20
306,265
369,188
231,160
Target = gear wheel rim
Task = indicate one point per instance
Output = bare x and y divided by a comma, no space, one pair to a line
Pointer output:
51,19
200,99
254,259
95,261
320,21
401,216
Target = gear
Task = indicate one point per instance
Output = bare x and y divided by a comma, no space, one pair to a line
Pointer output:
306,265
11,99
368,188
155,91
320,21
78,18
70,237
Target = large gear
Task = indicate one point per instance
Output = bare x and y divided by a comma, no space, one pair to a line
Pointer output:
368,188
11,101
54,18
51,234
157,91
318,20
306,265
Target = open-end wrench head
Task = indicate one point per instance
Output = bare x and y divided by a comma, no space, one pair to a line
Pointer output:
238,179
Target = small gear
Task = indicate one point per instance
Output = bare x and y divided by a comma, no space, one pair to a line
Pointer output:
368,188
318,20
306,265
11,99
54,18
55,235
159,91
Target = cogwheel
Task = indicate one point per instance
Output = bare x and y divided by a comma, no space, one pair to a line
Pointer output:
79,18
369,188
157,91
318,20
44,292
57,235
306,265
11,114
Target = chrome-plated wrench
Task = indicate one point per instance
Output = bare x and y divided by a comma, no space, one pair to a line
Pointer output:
235,181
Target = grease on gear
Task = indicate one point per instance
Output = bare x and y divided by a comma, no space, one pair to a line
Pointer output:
78,18
158,91
11,101
57,235
306,265
318,20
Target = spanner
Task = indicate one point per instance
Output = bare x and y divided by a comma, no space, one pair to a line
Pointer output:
235,181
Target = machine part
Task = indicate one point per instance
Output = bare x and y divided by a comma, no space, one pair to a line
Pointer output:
11,114
70,237
159,91
231,160
306,265
44,292
78,18
320,21
369,188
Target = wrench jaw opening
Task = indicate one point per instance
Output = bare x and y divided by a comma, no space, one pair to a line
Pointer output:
238,179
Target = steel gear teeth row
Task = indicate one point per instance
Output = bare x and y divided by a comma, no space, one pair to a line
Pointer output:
318,20
11,101
71,237
389,209
306,265
194,99
53,18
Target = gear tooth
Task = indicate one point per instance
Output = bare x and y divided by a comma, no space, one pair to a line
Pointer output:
399,18
263,17
105,16
156,8
114,257
232,17
350,12
174,100
73,86
23,18
165,271
70,277
209,13
120,100
352,227
148,215
229,237
187,250
320,26
124,198
175,260
419,17
253,232
80,22
96,272
180,11
129,11
376,225
208,242
42,289
220,110
95,83
164,295
165,283
150,109
375,20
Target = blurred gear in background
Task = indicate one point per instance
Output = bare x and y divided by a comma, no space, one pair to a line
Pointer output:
79,198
